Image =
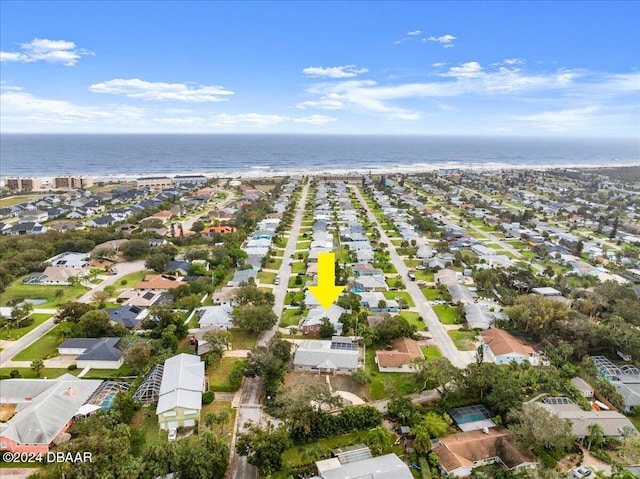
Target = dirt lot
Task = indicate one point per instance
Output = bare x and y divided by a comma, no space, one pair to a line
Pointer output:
7,411
299,381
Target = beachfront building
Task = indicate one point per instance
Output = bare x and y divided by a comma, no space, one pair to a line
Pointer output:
196,180
156,182
72,182
22,184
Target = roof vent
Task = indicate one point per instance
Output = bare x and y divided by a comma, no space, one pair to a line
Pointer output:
69,391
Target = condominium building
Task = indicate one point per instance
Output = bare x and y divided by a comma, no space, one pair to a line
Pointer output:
72,182
23,184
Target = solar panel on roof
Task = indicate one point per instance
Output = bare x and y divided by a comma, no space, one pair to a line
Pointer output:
356,455
557,400
344,346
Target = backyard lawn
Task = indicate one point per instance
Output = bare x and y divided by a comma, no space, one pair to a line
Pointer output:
446,314
403,381
242,339
124,371
273,264
43,347
19,291
463,339
223,431
219,375
44,373
38,319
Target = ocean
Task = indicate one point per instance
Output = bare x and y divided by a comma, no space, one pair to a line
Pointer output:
130,156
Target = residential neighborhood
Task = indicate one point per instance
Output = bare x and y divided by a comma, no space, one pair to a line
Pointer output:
488,326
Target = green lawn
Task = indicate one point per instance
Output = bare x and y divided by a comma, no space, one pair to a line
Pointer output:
298,267
431,352
124,370
400,294
273,264
297,455
290,317
44,373
403,381
298,281
412,263
303,245
38,319
463,339
145,420
242,339
424,276
44,347
446,314
219,375
224,432
430,293
132,279
414,319
266,277
35,291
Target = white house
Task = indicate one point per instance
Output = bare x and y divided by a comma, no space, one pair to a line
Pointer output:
503,348
180,398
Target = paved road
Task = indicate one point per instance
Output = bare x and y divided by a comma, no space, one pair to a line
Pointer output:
250,408
459,359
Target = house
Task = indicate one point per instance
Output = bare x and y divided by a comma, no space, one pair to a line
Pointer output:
42,410
243,277
503,348
355,467
478,316
584,387
102,353
140,299
460,293
366,269
25,229
129,316
102,221
459,453
218,317
70,260
377,302
613,423
338,356
54,275
369,284
313,322
625,378
158,283
178,267
180,396
445,276
399,359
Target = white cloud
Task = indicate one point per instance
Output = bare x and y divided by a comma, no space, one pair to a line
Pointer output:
315,119
513,61
51,51
445,40
414,33
344,71
136,88
563,120
466,70
438,64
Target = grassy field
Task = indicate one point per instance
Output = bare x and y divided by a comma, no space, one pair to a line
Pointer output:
16,200
219,375
123,371
242,339
446,314
145,420
298,267
273,264
463,339
431,352
38,319
35,291
400,294
294,282
290,317
43,347
377,390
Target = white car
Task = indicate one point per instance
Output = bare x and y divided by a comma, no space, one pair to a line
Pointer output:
421,267
173,434
582,472
277,281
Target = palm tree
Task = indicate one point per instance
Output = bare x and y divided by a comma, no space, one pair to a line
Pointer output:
37,365
59,293
595,435
222,419
210,419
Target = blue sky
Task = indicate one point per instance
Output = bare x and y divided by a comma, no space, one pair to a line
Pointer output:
481,68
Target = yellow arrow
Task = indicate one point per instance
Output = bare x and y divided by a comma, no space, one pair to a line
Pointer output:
326,292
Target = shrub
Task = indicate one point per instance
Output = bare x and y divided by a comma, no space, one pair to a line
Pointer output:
208,397
72,367
15,374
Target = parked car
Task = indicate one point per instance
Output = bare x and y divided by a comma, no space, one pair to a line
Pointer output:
421,267
173,434
277,281
582,472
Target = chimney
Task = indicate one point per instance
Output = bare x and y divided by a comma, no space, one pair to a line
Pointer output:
69,391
